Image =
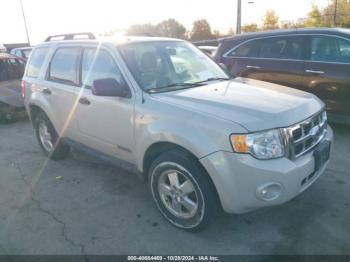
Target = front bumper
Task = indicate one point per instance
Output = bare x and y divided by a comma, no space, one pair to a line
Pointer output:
238,176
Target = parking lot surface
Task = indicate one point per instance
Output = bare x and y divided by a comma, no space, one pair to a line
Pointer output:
83,206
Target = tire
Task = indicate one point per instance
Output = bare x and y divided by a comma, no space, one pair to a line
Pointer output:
57,150
193,203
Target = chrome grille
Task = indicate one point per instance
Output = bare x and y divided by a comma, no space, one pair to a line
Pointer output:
307,134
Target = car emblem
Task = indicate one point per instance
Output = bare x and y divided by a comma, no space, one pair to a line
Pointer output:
314,130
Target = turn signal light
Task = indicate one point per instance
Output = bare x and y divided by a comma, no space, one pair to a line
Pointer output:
239,143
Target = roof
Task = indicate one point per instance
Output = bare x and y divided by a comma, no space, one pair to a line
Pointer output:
23,48
337,31
114,41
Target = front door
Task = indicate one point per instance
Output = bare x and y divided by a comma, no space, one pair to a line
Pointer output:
327,72
105,123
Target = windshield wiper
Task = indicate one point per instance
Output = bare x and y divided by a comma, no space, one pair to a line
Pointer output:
214,79
174,87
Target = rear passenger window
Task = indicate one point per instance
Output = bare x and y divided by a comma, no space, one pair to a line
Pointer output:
63,66
36,61
11,69
249,49
330,49
98,64
282,47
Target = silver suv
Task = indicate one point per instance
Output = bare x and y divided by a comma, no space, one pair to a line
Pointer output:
203,140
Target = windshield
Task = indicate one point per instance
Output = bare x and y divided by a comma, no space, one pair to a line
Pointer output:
160,65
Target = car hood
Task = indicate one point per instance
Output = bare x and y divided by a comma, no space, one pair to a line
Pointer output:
256,105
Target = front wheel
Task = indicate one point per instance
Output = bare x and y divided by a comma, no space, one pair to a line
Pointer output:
183,191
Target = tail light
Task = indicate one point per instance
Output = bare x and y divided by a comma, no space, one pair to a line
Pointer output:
23,90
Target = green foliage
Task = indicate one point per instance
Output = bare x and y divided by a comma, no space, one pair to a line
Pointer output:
270,20
314,18
201,30
143,30
171,28
342,14
253,27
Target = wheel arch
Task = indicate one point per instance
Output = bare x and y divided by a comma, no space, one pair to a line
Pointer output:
156,149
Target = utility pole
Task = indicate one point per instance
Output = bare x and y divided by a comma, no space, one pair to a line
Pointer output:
239,17
335,13
25,21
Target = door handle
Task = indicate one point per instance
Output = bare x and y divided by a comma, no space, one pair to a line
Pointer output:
46,91
84,101
314,72
253,67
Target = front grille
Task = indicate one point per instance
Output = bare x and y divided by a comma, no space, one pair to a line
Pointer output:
307,134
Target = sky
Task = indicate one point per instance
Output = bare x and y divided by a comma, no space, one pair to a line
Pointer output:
50,17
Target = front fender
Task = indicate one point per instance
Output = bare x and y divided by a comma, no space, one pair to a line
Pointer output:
200,139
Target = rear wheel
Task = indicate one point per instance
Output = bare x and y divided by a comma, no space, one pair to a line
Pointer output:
48,138
183,191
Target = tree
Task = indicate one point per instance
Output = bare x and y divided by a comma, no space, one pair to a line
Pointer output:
171,28
270,20
292,24
341,14
143,30
253,27
314,18
217,34
231,31
201,30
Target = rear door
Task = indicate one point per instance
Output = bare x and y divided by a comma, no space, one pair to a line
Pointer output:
60,88
327,71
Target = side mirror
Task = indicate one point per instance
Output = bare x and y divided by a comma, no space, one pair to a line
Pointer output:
224,67
110,87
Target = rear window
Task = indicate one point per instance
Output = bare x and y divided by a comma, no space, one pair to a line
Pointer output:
64,65
11,69
36,61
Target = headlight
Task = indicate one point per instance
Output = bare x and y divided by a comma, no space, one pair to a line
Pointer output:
261,145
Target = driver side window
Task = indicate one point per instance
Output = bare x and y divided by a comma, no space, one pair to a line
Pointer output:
98,64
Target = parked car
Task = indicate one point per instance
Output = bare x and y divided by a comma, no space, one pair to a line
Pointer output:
204,142
209,50
313,60
22,52
11,73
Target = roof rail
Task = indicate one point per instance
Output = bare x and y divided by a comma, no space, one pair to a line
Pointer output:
75,36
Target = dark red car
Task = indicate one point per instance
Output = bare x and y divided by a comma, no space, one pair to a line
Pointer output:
11,73
314,60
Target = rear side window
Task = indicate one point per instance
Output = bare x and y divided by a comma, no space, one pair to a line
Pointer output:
98,64
248,49
282,47
330,49
63,66
11,69
36,61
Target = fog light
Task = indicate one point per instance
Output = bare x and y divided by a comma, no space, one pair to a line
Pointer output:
269,192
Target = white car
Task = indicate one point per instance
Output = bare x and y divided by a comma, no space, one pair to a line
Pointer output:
203,140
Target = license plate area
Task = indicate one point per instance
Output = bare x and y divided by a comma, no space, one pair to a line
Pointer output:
321,154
